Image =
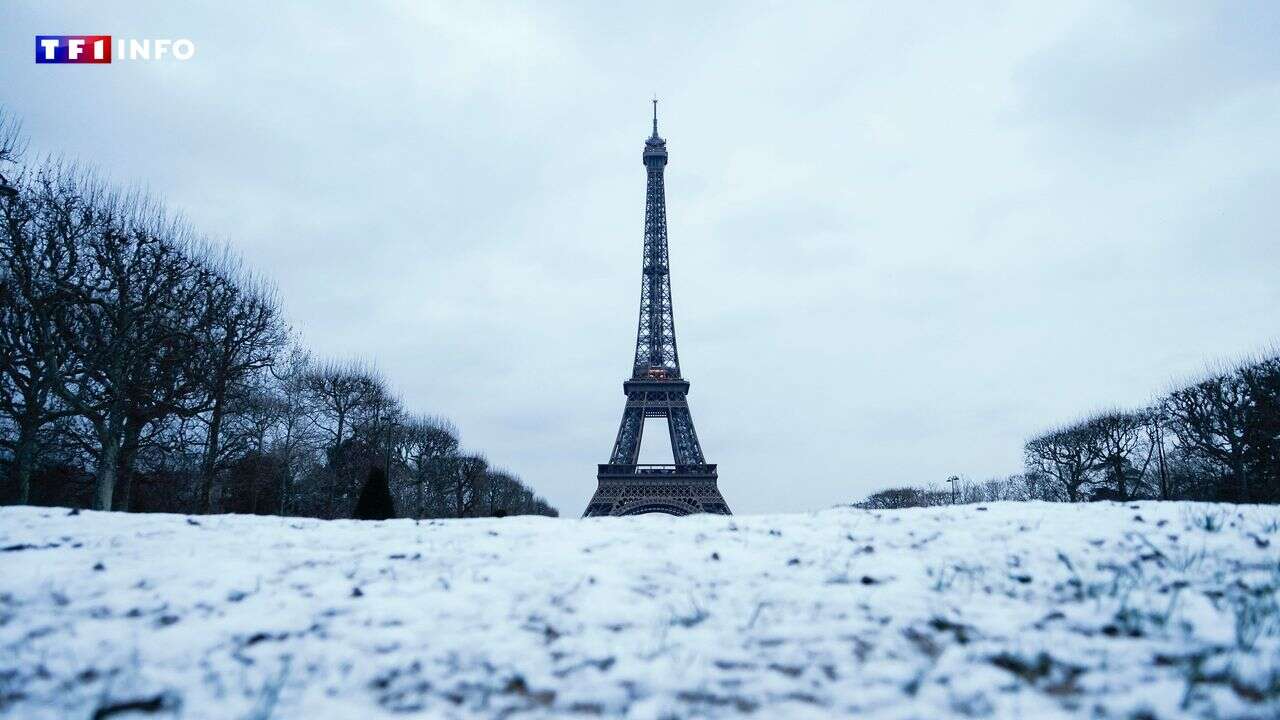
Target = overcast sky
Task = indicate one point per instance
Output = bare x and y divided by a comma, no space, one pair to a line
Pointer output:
903,238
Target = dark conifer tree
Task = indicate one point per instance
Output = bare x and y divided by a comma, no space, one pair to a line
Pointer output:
375,501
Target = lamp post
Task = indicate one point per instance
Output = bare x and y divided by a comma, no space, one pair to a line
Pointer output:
953,480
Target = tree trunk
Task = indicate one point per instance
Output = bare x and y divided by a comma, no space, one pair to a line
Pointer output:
105,482
286,468
23,458
1241,478
1166,490
209,464
110,427
418,499
284,488
125,478
333,490
337,464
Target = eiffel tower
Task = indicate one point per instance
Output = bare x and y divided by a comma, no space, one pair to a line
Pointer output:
656,389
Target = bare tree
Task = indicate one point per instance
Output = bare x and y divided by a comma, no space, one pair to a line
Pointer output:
429,446
341,392
1118,441
170,382
1210,418
13,143
468,484
501,494
1065,458
1262,431
124,328
240,333
895,499
34,261
294,429
1156,440
382,425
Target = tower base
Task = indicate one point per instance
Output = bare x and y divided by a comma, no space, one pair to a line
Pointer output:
669,489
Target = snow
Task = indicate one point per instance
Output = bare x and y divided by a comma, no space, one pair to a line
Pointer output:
1012,610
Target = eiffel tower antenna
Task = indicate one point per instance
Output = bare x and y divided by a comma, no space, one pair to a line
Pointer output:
656,388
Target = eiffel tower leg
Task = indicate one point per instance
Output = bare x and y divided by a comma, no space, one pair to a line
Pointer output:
688,486
627,447
710,500
684,440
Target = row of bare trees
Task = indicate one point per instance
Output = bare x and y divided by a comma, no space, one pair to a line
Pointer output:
143,369
1217,439
958,491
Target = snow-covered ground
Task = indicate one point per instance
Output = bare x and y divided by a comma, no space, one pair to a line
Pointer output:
1013,610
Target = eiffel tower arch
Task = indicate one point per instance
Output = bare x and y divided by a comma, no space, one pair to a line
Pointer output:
656,388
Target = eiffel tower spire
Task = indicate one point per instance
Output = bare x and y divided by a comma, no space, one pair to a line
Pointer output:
656,388
656,354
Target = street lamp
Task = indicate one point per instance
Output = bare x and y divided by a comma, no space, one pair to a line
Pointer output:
953,480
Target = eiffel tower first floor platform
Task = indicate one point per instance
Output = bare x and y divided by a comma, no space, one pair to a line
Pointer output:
670,489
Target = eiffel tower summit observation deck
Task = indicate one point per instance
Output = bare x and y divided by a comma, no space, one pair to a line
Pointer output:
656,388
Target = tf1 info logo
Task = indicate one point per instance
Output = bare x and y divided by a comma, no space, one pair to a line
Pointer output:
99,49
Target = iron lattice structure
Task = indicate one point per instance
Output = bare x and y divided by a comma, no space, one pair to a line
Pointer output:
656,388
